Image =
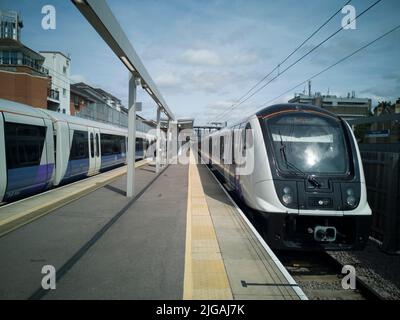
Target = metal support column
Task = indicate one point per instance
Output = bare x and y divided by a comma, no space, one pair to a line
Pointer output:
168,141
158,142
131,147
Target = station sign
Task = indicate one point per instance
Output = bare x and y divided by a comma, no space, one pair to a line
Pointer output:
378,133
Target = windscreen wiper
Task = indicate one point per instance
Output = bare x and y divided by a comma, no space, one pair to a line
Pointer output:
284,157
310,178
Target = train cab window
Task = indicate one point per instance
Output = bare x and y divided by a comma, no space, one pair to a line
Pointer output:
24,144
97,145
79,145
91,145
314,143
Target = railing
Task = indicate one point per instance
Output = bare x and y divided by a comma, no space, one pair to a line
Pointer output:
53,94
12,61
104,113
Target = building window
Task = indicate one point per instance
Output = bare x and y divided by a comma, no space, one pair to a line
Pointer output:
64,69
76,101
64,92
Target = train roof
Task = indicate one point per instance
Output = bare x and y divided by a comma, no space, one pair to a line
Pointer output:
57,116
16,107
295,107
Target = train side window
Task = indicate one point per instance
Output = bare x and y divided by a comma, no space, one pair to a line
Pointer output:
112,144
79,146
24,144
246,133
55,144
222,147
249,136
97,145
139,144
122,142
91,145
234,136
106,144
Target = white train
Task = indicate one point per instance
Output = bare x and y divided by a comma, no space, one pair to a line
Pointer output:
41,149
307,189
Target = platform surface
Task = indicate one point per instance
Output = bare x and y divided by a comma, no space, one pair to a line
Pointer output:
181,237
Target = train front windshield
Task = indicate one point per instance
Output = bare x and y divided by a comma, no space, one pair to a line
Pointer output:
308,143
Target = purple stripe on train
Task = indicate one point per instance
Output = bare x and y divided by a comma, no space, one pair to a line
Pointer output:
22,182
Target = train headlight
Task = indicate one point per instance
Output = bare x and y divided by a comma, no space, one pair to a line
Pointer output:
287,190
351,200
287,197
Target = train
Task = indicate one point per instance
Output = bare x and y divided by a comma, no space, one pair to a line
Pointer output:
306,189
42,149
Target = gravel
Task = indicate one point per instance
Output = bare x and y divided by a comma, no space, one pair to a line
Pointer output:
379,270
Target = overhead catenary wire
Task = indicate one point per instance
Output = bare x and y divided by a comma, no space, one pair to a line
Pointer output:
301,58
290,54
331,66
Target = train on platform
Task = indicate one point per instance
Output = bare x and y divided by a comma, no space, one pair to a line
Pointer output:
307,188
41,149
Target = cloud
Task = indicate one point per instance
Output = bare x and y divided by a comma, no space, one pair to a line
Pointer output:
222,110
247,58
78,78
201,57
167,80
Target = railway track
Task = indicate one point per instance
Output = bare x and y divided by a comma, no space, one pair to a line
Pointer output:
317,273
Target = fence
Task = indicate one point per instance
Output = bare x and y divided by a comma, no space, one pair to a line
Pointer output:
381,162
106,114
383,187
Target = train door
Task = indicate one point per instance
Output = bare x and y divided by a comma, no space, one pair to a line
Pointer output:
97,150
92,152
28,171
3,167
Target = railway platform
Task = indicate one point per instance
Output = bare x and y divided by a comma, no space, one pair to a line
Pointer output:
179,237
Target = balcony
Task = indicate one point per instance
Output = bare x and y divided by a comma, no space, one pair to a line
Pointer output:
53,94
25,62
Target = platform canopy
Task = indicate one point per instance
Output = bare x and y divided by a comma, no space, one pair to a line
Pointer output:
100,16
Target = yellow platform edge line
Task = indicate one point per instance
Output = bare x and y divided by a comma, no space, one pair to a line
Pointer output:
16,221
212,281
188,279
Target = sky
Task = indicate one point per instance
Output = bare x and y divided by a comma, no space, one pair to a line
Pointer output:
205,54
